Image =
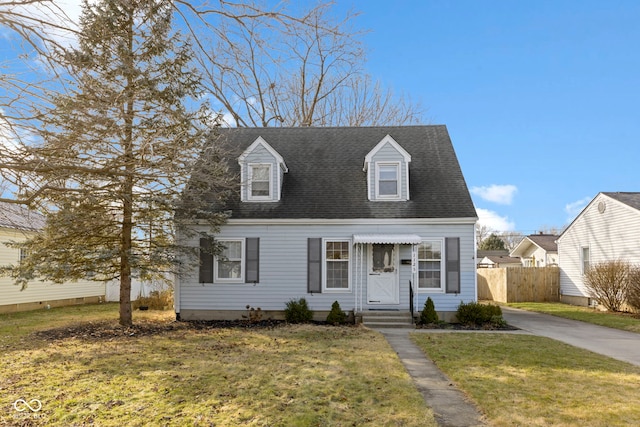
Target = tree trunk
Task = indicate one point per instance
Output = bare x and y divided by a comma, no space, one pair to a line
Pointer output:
127,196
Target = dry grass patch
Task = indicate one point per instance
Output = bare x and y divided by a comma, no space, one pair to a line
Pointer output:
535,381
625,321
168,373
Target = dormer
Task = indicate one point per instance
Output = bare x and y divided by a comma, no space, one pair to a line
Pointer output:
387,169
262,170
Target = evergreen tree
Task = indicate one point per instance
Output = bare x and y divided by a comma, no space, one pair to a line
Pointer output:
492,243
116,151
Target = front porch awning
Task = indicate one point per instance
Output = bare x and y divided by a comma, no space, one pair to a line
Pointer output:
401,239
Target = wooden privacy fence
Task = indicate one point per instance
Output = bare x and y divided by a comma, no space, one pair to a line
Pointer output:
519,284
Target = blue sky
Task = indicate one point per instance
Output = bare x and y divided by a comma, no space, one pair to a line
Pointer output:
541,98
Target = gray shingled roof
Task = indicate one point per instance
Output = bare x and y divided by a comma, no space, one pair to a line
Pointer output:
326,177
503,259
631,199
18,217
545,241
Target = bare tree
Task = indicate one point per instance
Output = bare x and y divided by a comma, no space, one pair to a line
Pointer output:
482,232
271,67
511,239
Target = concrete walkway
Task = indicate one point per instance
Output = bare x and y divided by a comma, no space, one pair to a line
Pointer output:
449,405
452,408
617,344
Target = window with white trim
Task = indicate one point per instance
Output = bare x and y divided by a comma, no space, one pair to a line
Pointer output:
260,181
337,264
387,185
584,259
430,265
229,264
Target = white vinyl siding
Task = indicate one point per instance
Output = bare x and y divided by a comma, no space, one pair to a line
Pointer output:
38,291
430,263
283,267
337,256
609,235
229,264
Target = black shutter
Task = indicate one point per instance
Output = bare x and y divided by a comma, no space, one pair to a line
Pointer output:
452,245
252,263
314,265
206,260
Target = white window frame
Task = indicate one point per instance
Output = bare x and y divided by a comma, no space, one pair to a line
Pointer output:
216,278
398,167
442,260
250,195
582,260
325,288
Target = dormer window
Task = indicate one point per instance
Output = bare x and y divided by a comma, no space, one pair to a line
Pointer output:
262,171
387,182
259,181
387,169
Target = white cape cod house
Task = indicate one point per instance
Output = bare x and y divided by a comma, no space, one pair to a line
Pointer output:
376,218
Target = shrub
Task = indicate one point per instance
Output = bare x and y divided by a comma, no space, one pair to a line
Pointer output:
633,292
157,300
298,311
428,314
474,313
608,282
253,314
336,315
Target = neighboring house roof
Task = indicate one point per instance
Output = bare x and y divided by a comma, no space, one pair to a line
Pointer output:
631,199
326,180
20,218
481,253
502,259
547,242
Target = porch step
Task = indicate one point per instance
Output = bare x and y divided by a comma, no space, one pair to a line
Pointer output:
387,319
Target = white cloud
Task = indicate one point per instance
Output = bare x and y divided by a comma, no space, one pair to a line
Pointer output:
494,221
574,208
501,194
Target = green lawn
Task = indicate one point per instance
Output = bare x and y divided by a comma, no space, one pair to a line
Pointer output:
624,321
524,380
167,373
87,371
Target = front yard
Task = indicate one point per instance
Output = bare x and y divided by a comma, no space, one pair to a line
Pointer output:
85,370
170,373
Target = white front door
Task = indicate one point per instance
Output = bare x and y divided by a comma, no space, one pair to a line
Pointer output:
382,286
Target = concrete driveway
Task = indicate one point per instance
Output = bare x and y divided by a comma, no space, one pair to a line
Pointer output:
614,343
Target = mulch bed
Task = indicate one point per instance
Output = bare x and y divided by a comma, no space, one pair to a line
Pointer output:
108,330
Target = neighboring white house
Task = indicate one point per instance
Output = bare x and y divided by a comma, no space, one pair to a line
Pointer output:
376,218
16,224
499,261
139,289
537,250
607,229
